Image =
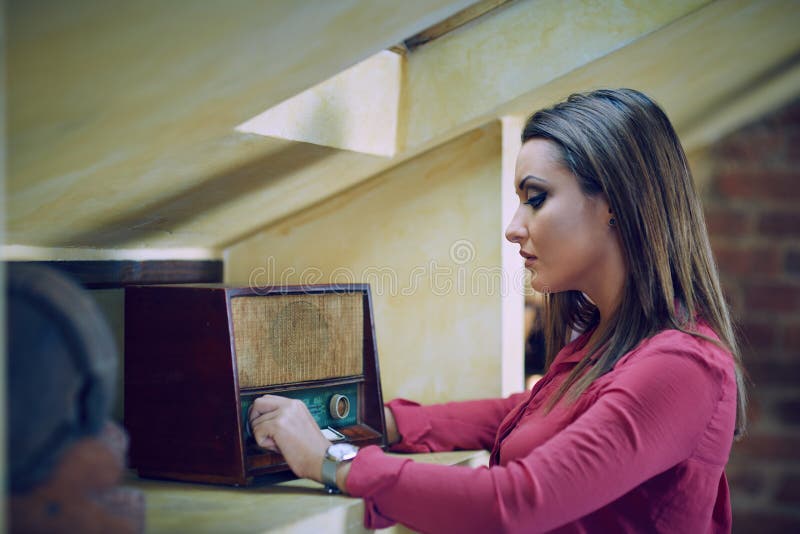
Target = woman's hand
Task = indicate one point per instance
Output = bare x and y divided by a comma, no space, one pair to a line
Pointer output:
286,426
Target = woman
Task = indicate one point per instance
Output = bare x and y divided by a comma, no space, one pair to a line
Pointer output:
631,427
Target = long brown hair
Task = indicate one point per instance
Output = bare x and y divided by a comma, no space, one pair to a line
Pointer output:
619,143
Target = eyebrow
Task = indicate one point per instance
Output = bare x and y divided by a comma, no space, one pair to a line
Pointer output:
521,185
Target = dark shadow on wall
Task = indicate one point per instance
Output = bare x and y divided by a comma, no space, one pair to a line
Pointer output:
227,186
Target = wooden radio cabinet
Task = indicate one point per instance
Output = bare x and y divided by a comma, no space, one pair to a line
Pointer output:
196,356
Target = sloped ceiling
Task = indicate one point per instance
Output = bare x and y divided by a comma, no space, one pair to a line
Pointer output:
121,115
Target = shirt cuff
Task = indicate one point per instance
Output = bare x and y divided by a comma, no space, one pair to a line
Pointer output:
371,472
413,425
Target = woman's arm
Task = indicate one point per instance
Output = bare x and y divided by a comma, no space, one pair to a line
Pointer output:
461,425
285,425
649,419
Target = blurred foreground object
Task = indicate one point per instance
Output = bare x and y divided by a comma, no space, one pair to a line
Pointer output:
65,457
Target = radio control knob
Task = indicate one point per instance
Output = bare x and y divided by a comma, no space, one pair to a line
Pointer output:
339,406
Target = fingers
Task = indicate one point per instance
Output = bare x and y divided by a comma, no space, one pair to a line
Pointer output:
272,415
264,410
286,426
269,403
263,431
268,444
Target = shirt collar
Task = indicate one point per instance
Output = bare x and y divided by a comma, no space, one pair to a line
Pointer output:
575,350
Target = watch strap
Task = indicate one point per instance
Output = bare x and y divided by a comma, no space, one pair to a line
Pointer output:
329,474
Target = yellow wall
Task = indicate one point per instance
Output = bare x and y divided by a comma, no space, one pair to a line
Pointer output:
438,213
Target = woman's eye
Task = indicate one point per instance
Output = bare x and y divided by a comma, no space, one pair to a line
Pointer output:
536,201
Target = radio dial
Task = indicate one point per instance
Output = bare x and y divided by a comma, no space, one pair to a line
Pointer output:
339,406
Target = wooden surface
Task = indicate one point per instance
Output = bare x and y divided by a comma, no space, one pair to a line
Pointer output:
465,16
109,274
284,506
181,396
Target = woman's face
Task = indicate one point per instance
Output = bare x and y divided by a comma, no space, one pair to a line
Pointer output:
563,234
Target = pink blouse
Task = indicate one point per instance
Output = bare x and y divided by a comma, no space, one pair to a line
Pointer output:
643,449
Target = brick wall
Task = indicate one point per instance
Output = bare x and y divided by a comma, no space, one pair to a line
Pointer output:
752,204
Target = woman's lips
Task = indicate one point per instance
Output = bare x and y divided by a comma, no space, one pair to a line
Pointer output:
529,258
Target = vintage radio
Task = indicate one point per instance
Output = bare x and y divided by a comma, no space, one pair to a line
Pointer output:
197,356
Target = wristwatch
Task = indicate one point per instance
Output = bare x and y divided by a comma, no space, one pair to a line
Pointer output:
335,455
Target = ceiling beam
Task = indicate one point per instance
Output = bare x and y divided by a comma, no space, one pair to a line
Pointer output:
693,66
438,112
213,186
115,104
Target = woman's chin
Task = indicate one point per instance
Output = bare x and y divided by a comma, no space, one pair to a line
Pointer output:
541,287
540,283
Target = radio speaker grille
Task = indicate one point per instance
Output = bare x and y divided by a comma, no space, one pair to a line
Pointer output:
281,339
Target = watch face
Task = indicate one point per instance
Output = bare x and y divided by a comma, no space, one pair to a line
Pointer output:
341,452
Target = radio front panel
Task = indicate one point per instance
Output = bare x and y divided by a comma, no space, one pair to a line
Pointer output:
196,357
330,406
297,338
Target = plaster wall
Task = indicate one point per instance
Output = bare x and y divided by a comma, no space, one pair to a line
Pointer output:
427,235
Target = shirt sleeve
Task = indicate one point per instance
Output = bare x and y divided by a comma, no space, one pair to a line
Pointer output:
649,418
462,425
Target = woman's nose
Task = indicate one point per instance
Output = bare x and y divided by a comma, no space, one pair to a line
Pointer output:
515,231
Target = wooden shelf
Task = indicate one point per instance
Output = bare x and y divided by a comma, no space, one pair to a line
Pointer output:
104,274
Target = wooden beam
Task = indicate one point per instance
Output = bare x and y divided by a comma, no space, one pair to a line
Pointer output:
693,66
188,185
115,274
461,80
447,95
461,18
450,92
114,107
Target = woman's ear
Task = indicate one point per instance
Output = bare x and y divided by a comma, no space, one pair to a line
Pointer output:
604,212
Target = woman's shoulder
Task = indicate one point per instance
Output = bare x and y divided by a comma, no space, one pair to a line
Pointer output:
698,343
699,337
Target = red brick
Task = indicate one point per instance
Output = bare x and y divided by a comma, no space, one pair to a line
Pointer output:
775,296
791,264
755,410
764,522
791,338
762,185
788,411
793,148
764,356
789,490
744,480
739,260
788,115
757,143
758,335
732,293
780,224
727,221
766,374
768,446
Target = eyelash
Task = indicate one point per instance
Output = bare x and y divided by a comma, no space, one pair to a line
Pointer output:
536,201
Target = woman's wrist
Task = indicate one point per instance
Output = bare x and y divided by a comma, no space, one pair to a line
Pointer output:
392,434
342,471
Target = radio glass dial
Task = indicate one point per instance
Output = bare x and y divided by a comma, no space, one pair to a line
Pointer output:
339,406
